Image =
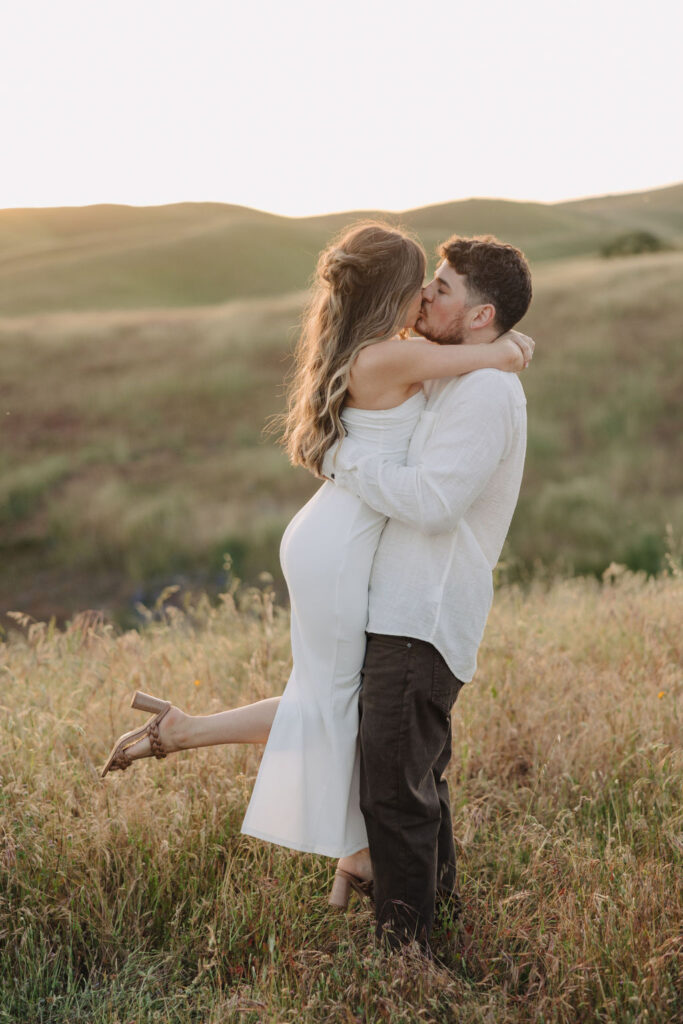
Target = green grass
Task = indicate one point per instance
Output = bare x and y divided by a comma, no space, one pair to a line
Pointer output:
133,453
189,254
137,899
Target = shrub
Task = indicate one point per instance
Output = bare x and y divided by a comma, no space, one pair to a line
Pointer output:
631,243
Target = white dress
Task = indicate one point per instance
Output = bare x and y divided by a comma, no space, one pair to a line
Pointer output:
306,794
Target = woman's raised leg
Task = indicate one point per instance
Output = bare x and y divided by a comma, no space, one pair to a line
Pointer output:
248,724
180,731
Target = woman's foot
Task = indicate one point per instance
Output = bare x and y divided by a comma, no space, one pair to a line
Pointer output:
353,873
358,864
163,734
170,732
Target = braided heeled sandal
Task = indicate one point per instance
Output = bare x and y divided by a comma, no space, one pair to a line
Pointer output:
119,758
342,885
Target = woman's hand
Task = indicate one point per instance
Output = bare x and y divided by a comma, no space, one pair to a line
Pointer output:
526,345
514,350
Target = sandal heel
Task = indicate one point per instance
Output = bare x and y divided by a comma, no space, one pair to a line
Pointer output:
340,892
145,702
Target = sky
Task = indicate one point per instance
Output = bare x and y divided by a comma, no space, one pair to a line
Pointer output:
306,107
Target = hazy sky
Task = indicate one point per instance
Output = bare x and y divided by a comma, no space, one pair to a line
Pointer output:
305,107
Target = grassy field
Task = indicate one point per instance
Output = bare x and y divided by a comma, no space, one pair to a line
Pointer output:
132,450
136,899
120,257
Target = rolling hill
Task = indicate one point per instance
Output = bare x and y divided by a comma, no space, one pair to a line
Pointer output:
194,254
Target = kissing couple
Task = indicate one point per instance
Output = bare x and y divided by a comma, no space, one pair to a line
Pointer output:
405,402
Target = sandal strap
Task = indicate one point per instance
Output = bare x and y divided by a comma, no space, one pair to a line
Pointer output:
361,886
121,761
155,743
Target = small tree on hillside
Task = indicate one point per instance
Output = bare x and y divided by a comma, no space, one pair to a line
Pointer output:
631,243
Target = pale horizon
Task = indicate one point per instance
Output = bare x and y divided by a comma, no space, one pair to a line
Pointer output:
360,209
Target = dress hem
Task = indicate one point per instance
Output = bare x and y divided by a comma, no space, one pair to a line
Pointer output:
323,852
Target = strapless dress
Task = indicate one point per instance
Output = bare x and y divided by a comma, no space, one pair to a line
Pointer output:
306,794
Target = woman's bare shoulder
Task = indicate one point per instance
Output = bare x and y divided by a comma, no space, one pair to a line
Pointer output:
383,355
375,378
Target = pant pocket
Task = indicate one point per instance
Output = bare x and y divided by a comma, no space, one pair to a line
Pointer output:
445,686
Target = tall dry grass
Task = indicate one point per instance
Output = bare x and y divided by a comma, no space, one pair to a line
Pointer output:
137,899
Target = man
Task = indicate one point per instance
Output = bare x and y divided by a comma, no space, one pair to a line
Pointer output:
431,587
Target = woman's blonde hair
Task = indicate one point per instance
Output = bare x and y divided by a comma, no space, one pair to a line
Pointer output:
363,286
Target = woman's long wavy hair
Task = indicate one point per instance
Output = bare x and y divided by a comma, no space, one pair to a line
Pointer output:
364,284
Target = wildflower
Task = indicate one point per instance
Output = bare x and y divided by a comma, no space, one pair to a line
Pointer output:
197,682
661,694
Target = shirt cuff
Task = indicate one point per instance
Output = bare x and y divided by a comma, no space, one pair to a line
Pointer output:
340,458
328,466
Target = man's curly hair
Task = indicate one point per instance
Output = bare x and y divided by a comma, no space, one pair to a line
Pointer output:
496,273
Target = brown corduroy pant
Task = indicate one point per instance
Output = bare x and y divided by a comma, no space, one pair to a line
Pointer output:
405,701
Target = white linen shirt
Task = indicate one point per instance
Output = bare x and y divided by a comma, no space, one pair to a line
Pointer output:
449,511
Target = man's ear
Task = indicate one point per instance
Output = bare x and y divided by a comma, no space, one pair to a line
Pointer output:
482,316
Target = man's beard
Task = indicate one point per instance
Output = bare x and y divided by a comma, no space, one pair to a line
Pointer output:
453,334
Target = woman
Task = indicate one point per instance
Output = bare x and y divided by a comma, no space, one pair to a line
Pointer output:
356,372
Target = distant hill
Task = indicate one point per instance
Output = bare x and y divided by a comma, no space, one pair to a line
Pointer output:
660,211
111,257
